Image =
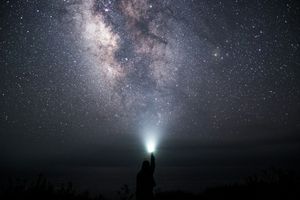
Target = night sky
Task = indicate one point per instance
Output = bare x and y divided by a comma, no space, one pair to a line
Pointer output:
83,83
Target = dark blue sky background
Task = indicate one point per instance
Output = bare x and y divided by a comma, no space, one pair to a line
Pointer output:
81,81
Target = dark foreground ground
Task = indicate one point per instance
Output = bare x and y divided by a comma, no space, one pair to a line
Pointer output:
269,184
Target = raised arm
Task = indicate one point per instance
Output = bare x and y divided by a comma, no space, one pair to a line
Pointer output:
152,165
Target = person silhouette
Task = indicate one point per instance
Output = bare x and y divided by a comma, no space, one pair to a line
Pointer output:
145,181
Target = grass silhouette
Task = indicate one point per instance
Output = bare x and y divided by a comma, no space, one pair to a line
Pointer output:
269,184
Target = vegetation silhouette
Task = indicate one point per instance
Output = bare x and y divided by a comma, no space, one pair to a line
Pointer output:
271,184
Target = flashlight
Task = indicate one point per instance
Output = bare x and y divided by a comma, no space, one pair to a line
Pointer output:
150,142
150,146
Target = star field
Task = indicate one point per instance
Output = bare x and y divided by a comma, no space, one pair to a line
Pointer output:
114,67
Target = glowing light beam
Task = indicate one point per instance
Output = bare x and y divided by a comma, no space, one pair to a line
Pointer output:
151,146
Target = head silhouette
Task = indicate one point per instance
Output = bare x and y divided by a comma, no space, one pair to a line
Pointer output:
146,165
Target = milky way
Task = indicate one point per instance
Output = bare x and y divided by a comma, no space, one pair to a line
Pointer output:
135,52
